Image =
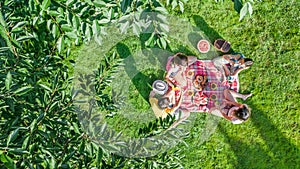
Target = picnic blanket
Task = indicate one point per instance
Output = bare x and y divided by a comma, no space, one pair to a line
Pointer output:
212,95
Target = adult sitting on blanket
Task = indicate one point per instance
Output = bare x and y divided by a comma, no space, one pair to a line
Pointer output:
176,67
166,102
230,109
237,62
231,65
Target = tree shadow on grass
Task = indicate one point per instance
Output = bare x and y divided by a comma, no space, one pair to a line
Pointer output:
141,80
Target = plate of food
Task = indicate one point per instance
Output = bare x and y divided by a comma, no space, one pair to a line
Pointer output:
203,46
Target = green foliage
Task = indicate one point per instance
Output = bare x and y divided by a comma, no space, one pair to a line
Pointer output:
39,126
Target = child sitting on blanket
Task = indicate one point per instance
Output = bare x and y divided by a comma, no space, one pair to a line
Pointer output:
232,110
176,67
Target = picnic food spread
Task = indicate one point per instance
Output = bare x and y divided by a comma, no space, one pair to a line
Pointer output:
201,85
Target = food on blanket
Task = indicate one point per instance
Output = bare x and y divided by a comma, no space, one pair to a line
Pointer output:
213,97
199,82
190,73
203,46
190,92
160,87
213,86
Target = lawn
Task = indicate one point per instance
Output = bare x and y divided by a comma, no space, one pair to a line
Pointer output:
271,38
270,139
43,44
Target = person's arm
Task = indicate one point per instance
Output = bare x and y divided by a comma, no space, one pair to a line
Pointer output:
216,111
152,94
237,71
226,70
177,105
219,112
191,59
227,57
233,103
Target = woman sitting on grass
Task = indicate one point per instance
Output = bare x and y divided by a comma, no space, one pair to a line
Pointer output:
230,109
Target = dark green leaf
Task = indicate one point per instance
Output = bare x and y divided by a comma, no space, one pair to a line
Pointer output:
20,24
162,10
55,31
124,27
8,81
45,87
53,13
24,38
70,2
243,11
181,6
76,128
71,35
66,27
18,151
60,44
23,90
33,125
99,157
174,4
25,142
238,5
46,4
12,136
163,43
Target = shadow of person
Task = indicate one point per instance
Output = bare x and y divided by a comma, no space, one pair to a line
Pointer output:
247,156
203,26
279,152
285,153
276,151
211,34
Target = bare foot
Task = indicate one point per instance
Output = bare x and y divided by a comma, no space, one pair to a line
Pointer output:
246,96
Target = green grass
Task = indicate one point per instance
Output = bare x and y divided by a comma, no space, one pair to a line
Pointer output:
270,139
271,37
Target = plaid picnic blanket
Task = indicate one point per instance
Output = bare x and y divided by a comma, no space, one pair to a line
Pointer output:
216,84
212,95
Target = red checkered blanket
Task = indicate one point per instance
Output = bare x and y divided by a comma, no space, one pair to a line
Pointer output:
212,95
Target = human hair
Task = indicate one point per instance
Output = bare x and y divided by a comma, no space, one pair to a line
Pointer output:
163,102
243,113
181,59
